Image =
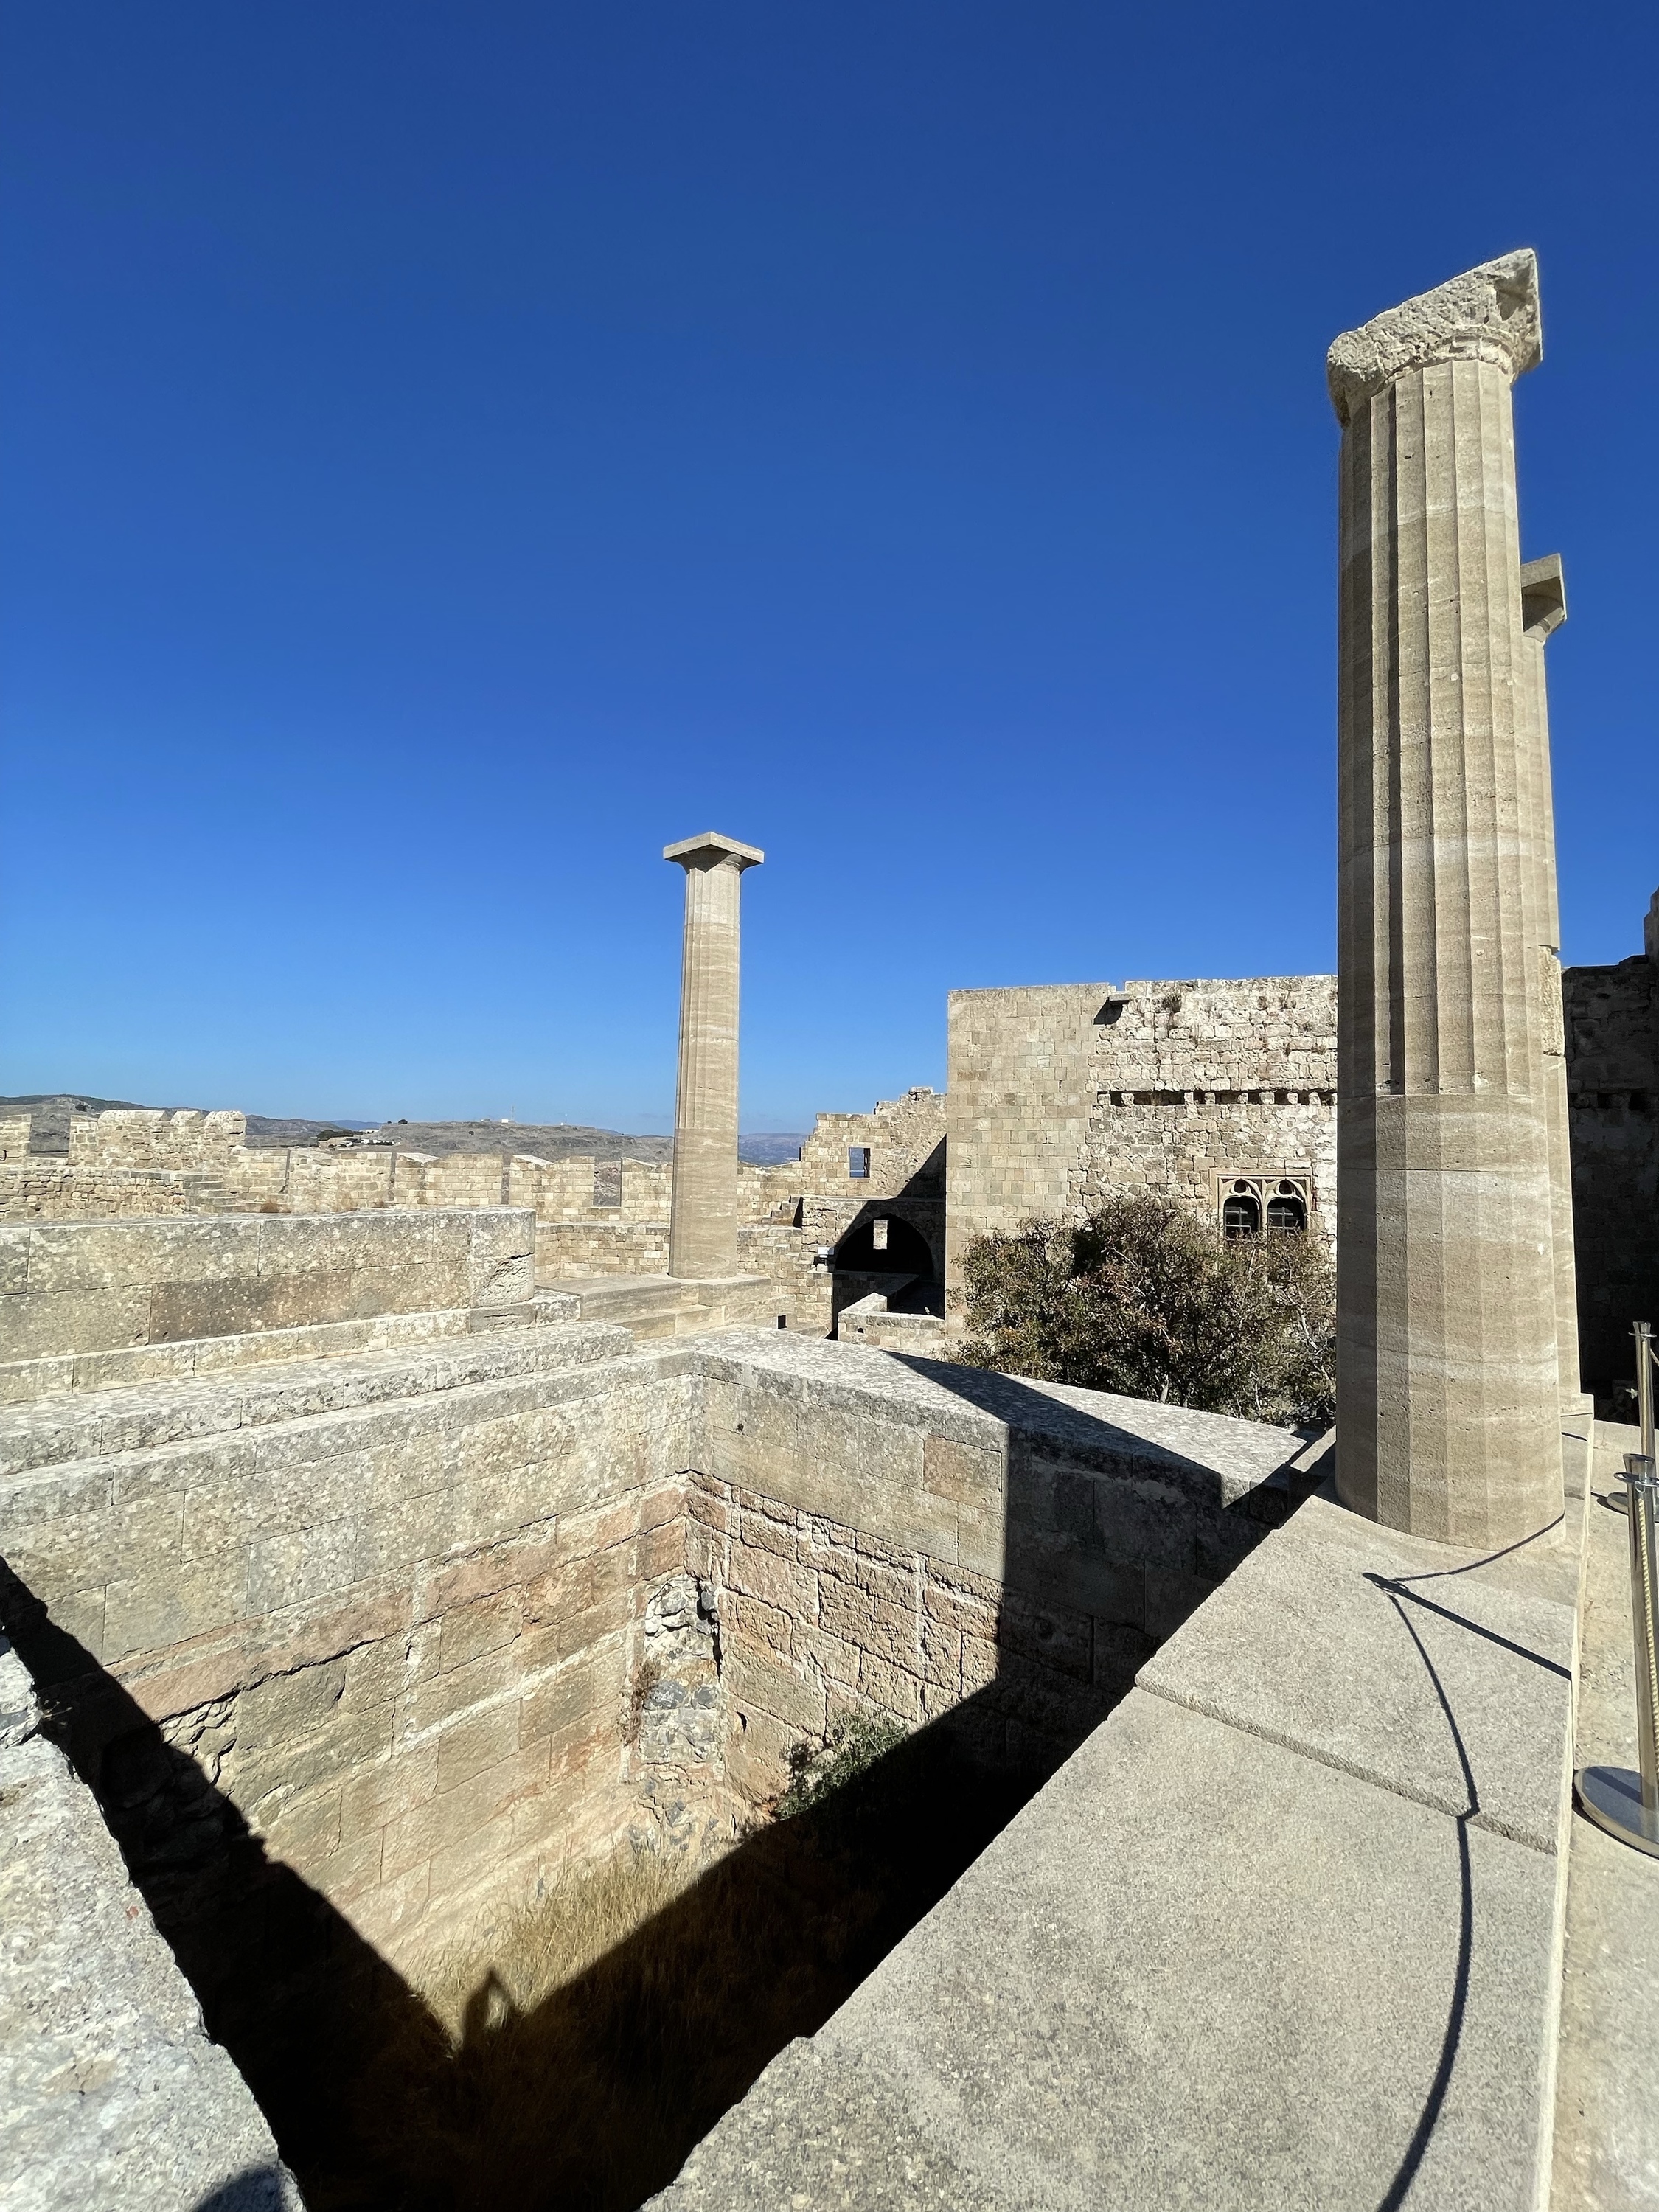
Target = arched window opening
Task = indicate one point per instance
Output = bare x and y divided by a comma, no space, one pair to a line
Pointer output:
1241,1216
1288,1209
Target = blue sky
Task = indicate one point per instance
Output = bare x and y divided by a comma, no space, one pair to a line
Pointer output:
453,447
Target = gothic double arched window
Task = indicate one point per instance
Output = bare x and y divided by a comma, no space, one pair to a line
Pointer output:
1255,1198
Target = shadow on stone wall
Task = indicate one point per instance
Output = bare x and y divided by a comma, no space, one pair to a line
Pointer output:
591,2099
284,1982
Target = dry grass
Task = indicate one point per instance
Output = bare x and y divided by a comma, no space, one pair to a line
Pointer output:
525,1956
572,2062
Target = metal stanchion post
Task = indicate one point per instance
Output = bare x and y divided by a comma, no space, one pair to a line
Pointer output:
1627,1804
1646,1361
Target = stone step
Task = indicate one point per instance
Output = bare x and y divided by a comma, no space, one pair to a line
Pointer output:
91,1425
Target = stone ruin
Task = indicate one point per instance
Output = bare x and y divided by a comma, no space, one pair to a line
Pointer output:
383,1535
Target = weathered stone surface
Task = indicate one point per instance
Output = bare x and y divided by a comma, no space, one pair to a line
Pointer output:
1118,2009
1489,314
110,2092
97,1286
703,1239
1450,1389
1379,1640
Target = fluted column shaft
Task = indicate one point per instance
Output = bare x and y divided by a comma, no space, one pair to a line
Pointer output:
1447,1420
702,1244
1543,610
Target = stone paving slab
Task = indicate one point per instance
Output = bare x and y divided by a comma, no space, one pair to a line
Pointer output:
1198,1971
1400,1661
1607,2111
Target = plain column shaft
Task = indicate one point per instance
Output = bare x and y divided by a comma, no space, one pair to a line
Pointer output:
702,1244
1448,1417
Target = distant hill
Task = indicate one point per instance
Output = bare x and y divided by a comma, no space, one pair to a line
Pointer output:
53,1111
554,1139
550,1140
770,1148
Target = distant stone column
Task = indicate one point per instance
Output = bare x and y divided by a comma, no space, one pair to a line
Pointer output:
702,1244
1543,610
1448,1413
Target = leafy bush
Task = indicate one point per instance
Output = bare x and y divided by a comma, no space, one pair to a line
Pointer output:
1145,1299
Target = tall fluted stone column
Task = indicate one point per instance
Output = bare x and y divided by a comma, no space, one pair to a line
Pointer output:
1543,610
703,1238
1448,1410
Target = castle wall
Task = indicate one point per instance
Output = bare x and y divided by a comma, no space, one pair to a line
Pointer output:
1613,1088
88,1287
946,1545
41,1189
393,1639
1060,1094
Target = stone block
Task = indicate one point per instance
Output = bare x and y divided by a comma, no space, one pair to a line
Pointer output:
112,2092
433,1830
964,1473
300,1563
1230,2073
48,1322
584,1693
521,1561
756,1680
481,1682
758,1573
479,1741
108,1255
894,1689
751,1621
381,1792
188,1599
302,1828
1381,1636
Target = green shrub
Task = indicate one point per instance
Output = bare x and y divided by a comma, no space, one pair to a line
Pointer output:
851,1748
1145,1299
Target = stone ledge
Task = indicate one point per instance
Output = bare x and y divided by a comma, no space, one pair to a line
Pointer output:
1378,1638
55,1432
1260,1957
110,2092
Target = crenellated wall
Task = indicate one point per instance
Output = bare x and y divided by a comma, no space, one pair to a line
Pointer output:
1613,1087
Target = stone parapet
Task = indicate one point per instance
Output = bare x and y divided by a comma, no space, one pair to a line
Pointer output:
88,1286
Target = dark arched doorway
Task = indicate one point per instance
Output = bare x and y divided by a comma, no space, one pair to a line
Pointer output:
903,1251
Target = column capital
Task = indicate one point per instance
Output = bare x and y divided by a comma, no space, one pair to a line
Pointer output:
711,850
1543,596
1489,313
